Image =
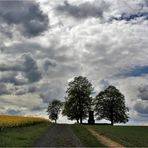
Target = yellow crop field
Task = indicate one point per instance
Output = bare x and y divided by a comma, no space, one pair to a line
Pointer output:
15,121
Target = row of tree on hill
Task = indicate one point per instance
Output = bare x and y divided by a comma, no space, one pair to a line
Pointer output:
109,104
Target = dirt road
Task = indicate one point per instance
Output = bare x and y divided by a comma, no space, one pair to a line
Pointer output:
59,135
105,140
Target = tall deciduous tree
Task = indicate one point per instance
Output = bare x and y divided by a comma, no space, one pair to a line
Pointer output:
53,110
110,105
78,100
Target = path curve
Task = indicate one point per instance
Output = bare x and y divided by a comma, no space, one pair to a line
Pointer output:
105,140
59,135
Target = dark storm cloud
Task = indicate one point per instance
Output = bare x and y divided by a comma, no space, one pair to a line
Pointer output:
31,69
26,15
13,112
26,89
141,107
3,89
28,67
10,77
45,97
10,67
21,92
5,30
146,3
38,108
83,10
143,92
49,95
32,89
48,63
52,90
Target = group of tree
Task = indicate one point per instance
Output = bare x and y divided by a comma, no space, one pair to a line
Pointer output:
109,104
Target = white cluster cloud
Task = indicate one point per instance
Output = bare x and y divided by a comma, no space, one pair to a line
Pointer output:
105,40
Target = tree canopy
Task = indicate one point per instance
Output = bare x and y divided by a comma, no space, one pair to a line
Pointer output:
110,105
78,99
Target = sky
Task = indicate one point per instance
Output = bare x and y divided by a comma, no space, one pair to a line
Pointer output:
44,44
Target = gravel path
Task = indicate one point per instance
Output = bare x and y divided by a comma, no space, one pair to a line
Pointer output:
59,135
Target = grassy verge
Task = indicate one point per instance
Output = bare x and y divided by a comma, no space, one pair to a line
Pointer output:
85,136
129,136
22,136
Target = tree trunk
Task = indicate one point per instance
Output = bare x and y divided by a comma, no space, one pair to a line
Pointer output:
55,121
77,120
81,120
112,118
112,122
112,115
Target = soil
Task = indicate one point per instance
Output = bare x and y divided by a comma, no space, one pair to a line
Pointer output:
105,140
59,135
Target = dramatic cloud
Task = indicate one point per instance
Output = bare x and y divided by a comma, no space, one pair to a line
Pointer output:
142,107
28,67
26,16
11,77
24,105
143,92
31,69
48,63
25,90
3,89
133,10
84,10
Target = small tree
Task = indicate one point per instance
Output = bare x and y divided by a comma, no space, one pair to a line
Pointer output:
78,100
110,105
53,110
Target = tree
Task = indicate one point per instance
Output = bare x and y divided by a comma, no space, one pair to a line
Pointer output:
110,105
54,109
71,110
78,100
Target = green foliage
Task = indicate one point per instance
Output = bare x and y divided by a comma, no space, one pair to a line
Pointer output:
85,136
128,136
110,105
53,110
78,100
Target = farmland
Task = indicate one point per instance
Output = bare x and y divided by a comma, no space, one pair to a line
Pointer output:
21,131
129,136
17,121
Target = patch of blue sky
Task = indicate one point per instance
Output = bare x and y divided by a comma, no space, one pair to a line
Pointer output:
126,17
136,71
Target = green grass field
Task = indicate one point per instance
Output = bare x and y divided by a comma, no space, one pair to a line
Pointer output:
129,136
84,135
22,136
